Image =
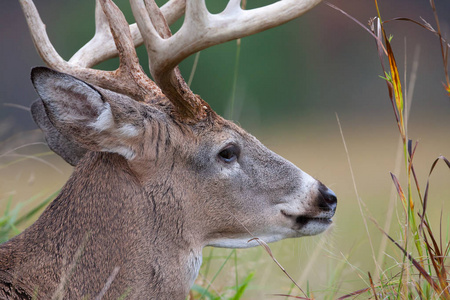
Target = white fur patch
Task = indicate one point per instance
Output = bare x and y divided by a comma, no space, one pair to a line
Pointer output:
126,152
105,120
194,262
128,130
248,242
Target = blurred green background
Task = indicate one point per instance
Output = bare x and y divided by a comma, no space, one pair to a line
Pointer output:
312,67
292,81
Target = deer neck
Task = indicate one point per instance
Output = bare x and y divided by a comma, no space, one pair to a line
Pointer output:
106,220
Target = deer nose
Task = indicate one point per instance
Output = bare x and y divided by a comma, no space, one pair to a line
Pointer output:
327,198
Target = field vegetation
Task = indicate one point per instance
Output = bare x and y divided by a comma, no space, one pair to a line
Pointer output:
391,237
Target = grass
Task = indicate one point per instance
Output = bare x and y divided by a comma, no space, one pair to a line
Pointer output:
11,220
421,271
15,215
411,264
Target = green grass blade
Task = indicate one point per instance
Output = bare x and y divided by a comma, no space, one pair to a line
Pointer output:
243,287
35,210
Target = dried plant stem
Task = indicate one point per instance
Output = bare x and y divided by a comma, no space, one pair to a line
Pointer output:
360,202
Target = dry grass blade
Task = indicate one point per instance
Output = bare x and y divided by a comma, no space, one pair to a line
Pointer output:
415,263
425,197
436,250
399,189
360,202
425,25
372,287
355,293
68,272
395,74
269,251
26,108
359,23
290,296
396,84
392,79
411,151
389,84
419,290
438,260
108,283
440,272
444,50
443,43
411,155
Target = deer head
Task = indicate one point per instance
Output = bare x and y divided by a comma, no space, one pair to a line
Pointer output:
158,175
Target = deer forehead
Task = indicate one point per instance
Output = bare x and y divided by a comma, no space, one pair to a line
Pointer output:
169,142
212,132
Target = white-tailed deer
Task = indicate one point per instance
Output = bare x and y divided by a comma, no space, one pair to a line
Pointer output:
158,174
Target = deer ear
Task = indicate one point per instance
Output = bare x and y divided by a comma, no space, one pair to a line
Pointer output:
70,151
80,113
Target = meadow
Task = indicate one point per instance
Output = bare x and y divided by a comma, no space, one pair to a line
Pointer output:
360,158
333,264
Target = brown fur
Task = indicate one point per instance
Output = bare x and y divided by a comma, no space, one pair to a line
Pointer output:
147,196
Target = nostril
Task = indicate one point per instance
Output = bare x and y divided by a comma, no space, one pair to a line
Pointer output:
328,196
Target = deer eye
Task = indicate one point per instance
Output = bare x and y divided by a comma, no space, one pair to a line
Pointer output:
229,154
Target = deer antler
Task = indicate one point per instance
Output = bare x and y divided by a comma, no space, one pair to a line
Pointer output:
200,30
128,79
150,19
101,47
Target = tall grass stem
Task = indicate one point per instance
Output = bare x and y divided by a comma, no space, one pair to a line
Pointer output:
359,200
235,80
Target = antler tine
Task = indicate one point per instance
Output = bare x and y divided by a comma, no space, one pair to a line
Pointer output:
40,39
129,79
135,81
200,30
154,30
86,57
101,47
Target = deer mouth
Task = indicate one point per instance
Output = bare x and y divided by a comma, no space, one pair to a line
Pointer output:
303,221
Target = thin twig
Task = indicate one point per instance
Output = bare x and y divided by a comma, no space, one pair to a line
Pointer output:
108,283
359,200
